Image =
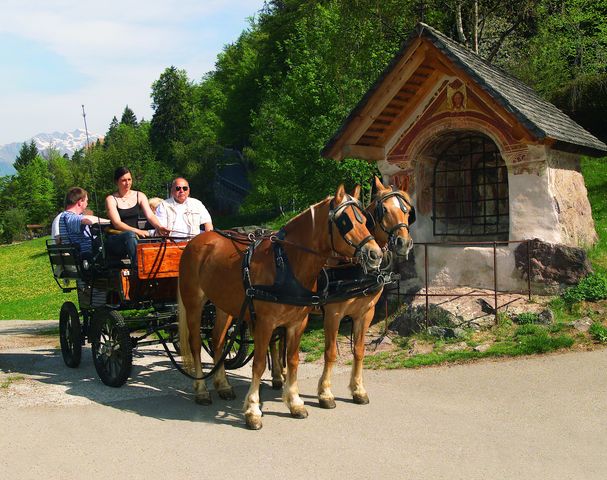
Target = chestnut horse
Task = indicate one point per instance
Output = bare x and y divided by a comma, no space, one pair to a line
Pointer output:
392,213
211,268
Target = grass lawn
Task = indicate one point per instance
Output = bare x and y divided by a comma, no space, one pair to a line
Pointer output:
595,177
27,288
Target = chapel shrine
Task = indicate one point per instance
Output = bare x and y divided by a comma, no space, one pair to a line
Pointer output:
487,159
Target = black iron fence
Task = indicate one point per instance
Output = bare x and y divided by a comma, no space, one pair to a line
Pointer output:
495,290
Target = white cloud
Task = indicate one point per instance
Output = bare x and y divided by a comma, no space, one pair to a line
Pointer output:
118,48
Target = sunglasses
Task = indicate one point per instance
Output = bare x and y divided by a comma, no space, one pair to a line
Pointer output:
179,187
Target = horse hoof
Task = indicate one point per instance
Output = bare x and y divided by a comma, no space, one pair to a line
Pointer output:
203,400
253,422
299,412
361,399
276,384
227,394
327,403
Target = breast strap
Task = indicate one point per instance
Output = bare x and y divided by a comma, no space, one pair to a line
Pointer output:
286,288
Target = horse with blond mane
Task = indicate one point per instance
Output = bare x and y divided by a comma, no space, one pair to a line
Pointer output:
216,267
392,213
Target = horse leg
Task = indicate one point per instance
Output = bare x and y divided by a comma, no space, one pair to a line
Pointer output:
290,393
278,370
194,316
360,325
220,380
326,399
252,410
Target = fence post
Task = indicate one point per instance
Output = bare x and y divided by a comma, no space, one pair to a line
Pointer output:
529,268
426,279
495,279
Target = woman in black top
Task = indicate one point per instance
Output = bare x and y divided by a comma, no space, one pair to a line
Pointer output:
124,208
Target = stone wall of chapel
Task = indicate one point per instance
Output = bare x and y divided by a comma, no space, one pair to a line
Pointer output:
571,199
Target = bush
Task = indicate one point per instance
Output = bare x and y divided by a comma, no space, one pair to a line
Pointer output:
591,288
13,225
526,318
598,332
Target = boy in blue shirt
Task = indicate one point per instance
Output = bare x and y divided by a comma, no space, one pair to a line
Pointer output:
73,224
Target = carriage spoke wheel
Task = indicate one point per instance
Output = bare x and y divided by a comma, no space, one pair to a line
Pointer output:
70,335
112,347
237,355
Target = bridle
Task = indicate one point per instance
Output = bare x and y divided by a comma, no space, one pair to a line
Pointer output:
344,225
380,210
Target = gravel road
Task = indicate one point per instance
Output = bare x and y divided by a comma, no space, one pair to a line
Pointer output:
530,418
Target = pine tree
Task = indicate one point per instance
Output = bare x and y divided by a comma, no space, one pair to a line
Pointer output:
128,117
172,104
26,155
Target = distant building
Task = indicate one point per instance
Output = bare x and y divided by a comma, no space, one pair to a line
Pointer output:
231,184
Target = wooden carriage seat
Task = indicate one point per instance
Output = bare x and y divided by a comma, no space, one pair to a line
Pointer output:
65,260
159,258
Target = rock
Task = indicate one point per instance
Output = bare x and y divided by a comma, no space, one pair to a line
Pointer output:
455,347
420,348
546,317
553,262
446,332
441,332
459,332
583,324
483,347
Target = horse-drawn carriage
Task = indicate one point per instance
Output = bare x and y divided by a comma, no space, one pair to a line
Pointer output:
258,282
121,308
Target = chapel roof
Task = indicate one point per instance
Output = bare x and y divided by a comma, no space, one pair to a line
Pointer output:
538,116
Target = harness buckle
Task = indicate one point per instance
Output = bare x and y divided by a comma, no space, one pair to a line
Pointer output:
250,292
315,300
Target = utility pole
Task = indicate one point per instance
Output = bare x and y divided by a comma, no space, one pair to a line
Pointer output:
85,129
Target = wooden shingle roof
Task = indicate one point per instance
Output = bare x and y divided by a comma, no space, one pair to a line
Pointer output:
542,119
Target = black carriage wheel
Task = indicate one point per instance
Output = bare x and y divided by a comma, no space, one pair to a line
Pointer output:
237,355
112,347
70,335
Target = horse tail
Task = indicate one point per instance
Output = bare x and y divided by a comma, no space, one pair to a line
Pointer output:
184,333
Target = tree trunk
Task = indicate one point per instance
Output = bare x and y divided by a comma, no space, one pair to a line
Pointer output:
460,23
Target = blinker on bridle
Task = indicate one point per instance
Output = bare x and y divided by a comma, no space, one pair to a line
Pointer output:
380,211
344,223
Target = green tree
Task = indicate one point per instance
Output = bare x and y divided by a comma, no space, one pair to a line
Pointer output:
35,192
128,117
570,44
130,147
62,175
173,112
26,155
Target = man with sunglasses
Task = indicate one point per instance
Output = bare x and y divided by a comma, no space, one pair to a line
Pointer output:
182,214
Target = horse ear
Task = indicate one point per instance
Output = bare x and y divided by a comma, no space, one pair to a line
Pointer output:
377,185
339,195
356,192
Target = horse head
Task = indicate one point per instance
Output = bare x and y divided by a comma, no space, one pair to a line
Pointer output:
348,230
390,215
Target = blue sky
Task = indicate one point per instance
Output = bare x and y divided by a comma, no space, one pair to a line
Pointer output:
56,55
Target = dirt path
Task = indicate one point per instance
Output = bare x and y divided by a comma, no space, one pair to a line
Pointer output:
539,417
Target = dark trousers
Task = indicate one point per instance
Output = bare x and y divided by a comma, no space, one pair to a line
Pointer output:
123,245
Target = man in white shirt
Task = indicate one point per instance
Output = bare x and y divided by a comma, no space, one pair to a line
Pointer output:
181,214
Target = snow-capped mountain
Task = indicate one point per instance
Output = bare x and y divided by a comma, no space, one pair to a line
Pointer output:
63,142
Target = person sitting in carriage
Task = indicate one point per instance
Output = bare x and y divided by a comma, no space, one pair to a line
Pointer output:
73,222
126,207
182,214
